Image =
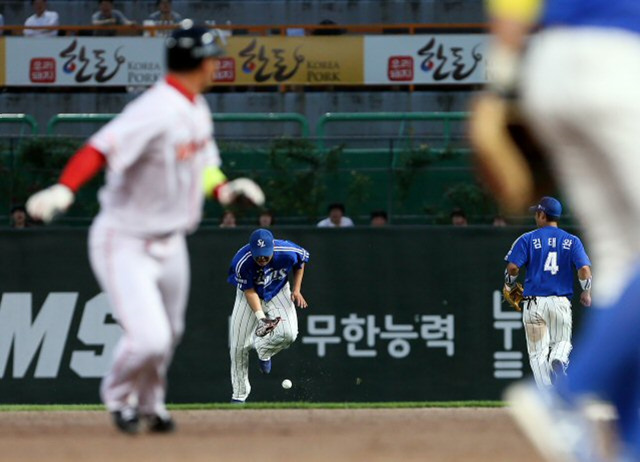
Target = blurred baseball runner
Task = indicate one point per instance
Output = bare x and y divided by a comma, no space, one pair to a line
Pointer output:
550,255
579,92
264,313
161,160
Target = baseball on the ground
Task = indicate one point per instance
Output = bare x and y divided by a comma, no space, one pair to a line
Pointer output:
286,384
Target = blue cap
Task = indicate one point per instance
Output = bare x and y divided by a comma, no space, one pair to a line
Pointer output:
261,243
548,205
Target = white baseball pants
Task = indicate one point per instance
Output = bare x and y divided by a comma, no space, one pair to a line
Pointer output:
581,94
147,282
547,325
242,336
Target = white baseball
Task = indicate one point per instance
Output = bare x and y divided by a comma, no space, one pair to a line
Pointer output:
286,384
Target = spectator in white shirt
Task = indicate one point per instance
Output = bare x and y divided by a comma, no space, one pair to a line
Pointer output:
41,17
336,218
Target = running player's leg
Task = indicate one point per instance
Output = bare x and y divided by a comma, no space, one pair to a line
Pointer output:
173,283
243,324
560,326
137,305
537,334
286,332
596,156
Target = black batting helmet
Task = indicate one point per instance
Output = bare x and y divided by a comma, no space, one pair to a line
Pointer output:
189,45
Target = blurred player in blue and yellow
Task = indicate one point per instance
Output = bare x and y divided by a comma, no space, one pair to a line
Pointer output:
578,86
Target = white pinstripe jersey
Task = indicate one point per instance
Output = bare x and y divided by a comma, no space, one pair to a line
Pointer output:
156,151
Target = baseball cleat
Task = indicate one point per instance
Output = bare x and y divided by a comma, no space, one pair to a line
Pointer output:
264,365
237,401
559,431
126,420
161,424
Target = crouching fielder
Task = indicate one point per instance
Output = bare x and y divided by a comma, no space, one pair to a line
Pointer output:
264,313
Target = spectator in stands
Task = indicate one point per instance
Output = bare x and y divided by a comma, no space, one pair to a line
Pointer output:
19,217
41,17
331,31
499,220
1,22
164,16
108,16
265,220
336,218
228,219
379,218
458,217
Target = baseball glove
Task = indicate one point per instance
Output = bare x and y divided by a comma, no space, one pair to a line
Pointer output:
267,325
508,159
513,295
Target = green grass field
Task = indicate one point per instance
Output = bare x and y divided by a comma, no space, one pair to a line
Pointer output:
283,405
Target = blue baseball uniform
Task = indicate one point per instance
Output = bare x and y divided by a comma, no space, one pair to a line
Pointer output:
270,282
245,273
551,255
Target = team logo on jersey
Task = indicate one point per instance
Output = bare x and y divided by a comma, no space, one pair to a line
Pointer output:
261,243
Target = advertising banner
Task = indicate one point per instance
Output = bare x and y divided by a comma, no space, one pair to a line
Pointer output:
84,61
425,59
292,60
390,318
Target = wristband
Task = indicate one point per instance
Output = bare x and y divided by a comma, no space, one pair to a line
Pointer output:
509,280
585,284
260,314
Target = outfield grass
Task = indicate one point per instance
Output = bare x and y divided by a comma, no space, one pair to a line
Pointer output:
282,405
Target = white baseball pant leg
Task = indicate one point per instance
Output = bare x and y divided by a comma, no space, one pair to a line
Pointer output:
547,325
570,79
242,336
135,274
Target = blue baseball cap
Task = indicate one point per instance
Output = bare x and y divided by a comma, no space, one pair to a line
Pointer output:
548,205
261,243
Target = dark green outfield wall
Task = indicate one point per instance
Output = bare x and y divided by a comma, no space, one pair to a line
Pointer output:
395,314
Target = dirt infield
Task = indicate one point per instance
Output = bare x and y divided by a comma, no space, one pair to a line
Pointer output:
440,435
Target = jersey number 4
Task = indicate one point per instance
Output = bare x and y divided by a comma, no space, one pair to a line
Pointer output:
552,263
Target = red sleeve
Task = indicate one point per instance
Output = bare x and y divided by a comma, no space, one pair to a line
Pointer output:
82,167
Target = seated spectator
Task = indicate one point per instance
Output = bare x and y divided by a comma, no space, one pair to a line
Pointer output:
19,217
164,16
228,219
336,218
108,16
379,218
499,220
41,17
265,220
458,217
332,31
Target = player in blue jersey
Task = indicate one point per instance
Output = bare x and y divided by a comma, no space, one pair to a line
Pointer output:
578,85
264,314
551,255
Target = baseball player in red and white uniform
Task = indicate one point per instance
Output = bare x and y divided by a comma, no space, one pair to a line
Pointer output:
160,157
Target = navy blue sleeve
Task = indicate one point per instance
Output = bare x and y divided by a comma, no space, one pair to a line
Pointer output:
518,254
578,254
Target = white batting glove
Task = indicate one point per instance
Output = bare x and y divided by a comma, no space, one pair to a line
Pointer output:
230,191
50,202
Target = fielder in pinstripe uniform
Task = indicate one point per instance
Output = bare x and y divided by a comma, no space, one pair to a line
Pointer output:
264,313
550,255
